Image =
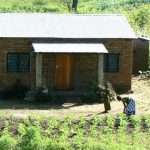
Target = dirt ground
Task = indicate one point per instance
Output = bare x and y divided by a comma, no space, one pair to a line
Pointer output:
141,93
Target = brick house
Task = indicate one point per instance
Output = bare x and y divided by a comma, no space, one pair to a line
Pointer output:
140,54
64,52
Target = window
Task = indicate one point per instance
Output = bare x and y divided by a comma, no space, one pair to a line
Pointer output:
111,63
18,62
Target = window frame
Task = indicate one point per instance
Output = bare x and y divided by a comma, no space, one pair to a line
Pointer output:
106,66
18,60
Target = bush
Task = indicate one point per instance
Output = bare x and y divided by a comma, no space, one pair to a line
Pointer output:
36,95
7,142
32,139
56,100
40,96
17,91
99,92
30,96
81,133
39,2
46,9
90,98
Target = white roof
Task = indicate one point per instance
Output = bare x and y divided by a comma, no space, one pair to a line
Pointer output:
69,48
144,38
36,25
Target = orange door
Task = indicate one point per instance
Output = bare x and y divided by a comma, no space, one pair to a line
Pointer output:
64,71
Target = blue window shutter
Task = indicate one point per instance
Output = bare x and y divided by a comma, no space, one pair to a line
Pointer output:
18,62
24,63
12,60
111,62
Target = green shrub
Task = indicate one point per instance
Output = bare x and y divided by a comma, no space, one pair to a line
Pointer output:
7,142
39,2
17,91
99,92
90,98
30,96
47,9
56,99
96,133
55,145
39,96
36,95
93,145
31,139
3,10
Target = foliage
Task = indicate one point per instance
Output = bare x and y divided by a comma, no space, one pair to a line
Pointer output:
16,91
90,98
40,96
98,92
141,20
94,133
39,2
7,142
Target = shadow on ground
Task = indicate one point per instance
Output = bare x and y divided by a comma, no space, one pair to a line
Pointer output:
18,104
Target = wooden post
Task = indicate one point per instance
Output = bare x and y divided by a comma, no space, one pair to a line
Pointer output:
100,68
38,70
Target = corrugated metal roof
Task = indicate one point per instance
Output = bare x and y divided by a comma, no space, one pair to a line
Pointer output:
64,26
144,38
69,48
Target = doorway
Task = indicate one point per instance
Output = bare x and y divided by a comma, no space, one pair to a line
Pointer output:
64,72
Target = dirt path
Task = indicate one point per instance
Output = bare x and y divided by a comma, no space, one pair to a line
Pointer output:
141,93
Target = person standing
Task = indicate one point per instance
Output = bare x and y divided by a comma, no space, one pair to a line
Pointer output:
106,98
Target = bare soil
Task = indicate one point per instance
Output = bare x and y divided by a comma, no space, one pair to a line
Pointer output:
141,93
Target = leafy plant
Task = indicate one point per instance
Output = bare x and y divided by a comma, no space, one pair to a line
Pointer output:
7,142
37,95
40,96
39,2
17,90
96,133
31,139
98,92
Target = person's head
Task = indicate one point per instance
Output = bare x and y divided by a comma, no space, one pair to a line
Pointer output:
118,97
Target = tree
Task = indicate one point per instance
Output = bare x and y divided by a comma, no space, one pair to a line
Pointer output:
68,3
74,5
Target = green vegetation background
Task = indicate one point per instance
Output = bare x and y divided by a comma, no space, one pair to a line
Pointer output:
136,11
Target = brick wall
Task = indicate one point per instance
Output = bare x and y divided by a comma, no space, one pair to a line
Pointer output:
85,65
15,45
140,55
122,79
85,69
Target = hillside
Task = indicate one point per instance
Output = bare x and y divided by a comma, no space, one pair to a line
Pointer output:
136,11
